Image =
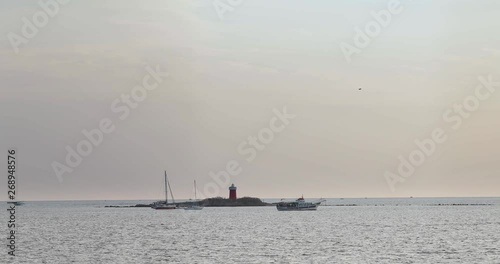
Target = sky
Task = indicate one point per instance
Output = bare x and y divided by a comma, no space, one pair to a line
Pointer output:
224,72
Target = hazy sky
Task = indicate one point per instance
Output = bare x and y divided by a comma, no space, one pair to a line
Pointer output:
225,78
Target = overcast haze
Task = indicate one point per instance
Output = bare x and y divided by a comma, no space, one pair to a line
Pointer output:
225,78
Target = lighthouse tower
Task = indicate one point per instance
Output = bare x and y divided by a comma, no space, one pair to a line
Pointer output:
232,192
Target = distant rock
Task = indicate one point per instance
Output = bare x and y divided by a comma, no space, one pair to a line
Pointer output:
127,206
209,202
222,202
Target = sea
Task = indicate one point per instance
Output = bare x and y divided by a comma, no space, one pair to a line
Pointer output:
363,230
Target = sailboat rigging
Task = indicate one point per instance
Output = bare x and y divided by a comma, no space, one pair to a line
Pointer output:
163,205
193,205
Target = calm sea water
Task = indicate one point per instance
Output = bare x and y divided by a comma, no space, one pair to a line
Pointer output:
375,231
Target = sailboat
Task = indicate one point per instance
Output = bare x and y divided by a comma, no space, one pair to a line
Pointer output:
163,205
193,206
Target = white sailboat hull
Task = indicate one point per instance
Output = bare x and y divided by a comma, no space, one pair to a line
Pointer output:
194,208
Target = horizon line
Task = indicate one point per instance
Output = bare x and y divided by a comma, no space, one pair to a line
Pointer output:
405,197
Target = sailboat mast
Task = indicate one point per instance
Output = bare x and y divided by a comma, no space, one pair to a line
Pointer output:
195,190
166,188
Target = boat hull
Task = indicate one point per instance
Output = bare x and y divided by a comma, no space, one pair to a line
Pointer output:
298,205
286,208
194,208
164,208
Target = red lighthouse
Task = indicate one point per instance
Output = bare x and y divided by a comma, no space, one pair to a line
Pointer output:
232,192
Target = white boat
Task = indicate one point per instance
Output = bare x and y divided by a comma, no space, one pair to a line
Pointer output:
163,205
298,205
193,205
